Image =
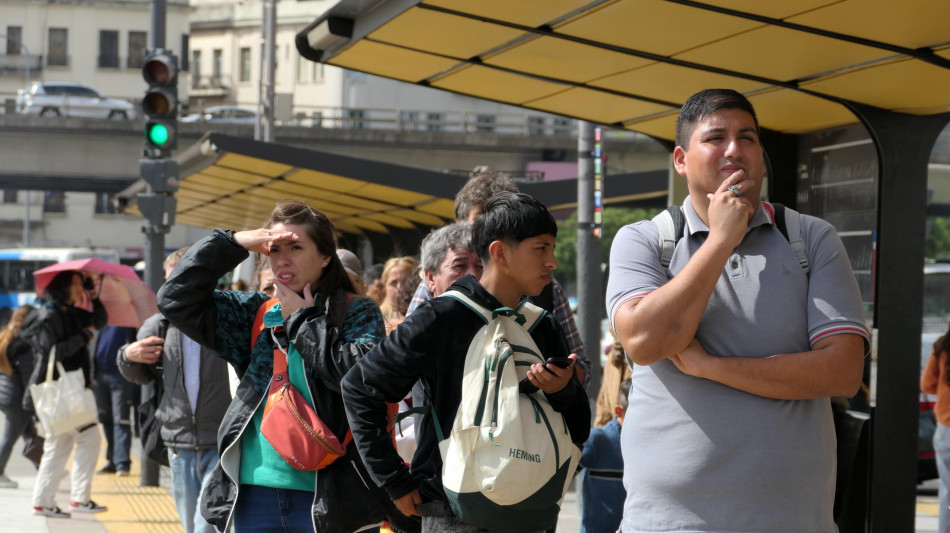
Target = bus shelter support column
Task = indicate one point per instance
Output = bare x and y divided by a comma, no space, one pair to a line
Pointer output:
904,143
590,299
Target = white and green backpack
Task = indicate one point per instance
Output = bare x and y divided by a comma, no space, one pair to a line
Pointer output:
509,460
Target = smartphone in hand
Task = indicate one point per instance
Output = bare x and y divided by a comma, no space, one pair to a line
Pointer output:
561,362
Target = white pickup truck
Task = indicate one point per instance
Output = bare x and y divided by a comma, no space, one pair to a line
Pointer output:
69,99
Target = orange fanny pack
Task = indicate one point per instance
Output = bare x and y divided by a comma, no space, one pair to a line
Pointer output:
290,424
293,428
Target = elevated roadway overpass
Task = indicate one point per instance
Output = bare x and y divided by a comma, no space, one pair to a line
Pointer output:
76,154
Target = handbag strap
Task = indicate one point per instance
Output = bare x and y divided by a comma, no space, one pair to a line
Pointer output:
51,363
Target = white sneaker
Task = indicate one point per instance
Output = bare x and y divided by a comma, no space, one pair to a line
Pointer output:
7,483
52,512
88,507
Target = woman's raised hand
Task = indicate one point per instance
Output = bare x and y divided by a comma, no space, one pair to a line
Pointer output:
259,240
290,301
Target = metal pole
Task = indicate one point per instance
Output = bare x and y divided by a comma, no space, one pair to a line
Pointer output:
269,27
589,294
27,50
26,219
156,37
154,237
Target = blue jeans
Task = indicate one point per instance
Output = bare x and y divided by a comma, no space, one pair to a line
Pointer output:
114,397
265,509
942,448
190,470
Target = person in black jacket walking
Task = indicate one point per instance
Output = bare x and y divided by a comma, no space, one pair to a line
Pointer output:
191,408
70,328
16,365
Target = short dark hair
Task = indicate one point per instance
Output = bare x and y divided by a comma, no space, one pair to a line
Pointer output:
705,103
479,189
511,218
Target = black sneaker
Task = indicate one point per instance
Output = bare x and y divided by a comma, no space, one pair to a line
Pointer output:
88,507
52,512
108,469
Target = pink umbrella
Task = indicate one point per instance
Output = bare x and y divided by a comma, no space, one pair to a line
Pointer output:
127,299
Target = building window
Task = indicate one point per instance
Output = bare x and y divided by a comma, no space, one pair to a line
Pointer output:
563,127
14,40
196,69
9,196
485,123
536,125
104,204
54,202
57,51
317,71
354,117
246,64
108,49
409,120
434,121
216,69
138,42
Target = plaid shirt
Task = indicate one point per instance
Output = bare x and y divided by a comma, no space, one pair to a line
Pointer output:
562,313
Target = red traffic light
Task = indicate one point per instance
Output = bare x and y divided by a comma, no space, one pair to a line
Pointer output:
157,71
160,69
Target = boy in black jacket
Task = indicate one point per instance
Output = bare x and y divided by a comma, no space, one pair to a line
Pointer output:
515,239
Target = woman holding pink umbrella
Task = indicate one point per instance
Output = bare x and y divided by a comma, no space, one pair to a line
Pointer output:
69,328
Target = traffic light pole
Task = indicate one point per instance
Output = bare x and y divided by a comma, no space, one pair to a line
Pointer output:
157,34
155,240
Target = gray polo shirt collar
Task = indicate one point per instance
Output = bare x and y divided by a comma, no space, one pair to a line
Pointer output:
696,225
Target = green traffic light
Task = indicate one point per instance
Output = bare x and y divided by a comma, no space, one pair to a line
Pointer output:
157,134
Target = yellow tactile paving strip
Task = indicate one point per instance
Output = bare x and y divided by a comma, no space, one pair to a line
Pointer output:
133,507
928,505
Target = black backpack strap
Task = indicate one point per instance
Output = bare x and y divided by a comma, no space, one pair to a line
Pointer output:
788,222
779,212
671,224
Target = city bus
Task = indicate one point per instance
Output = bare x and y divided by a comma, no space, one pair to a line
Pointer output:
18,264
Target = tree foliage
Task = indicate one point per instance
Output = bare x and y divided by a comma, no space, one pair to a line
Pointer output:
938,239
614,219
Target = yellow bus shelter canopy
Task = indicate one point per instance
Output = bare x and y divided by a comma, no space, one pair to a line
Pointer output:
632,63
234,182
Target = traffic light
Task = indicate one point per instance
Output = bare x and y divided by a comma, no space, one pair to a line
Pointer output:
160,104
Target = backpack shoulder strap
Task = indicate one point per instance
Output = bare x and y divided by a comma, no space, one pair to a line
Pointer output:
468,302
258,326
533,315
671,223
788,222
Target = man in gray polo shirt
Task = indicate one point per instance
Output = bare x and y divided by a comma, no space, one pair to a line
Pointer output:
729,425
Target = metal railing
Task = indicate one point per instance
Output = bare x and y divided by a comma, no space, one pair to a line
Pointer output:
20,62
327,117
521,176
527,123
212,82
